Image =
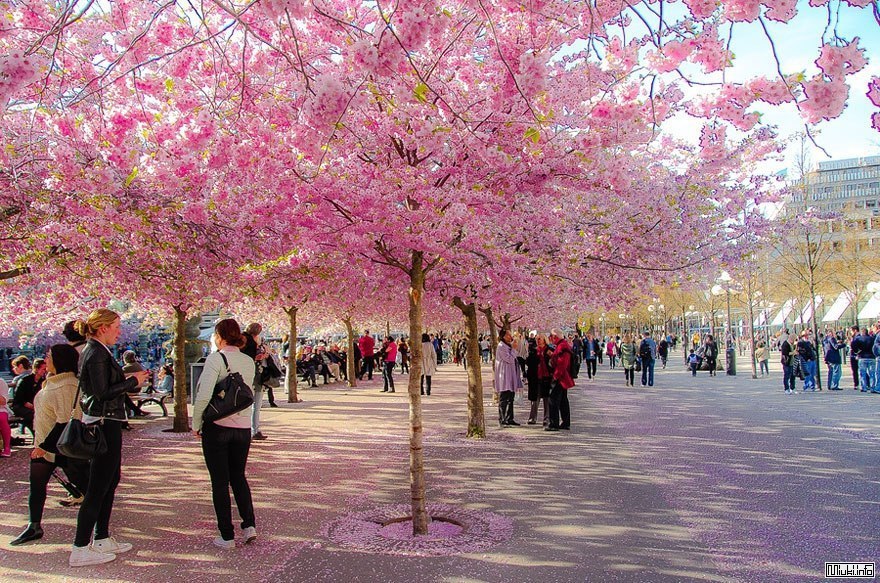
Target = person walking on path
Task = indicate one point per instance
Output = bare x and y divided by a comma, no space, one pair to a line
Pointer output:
52,409
255,349
560,411
389,358
366,344
787,352
693,362
808,360
853,359
226,442
832,358
863,348
710,353
663,351
761,358
591,355
628,359
507,378
648,356
611,349
539,377
103,386
429,364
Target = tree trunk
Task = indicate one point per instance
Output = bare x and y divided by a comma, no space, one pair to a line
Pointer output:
476,417
290,377
493,344
181,409
387,328
350,369
416,454
752,325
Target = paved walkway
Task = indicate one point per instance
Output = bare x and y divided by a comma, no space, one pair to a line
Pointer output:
706,479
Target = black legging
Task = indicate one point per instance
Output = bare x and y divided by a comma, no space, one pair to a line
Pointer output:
41,475
226,452
104,473
425,379
386,375
630,373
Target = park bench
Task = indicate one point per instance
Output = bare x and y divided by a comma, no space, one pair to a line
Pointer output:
157,398
16,421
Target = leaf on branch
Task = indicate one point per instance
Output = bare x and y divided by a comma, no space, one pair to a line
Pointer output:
421,92
532,134
131,177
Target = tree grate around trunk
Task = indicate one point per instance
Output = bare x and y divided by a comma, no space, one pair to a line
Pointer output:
388,530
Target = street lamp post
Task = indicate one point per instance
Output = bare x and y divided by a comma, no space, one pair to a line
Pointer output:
725,280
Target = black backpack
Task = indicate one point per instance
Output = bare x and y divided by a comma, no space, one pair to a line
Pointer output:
231,395
645,351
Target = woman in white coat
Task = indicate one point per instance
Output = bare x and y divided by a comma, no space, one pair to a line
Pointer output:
429,363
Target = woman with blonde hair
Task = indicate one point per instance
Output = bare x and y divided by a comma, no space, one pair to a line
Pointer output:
103,386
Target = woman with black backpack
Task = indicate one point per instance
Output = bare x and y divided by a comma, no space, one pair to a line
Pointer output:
226,441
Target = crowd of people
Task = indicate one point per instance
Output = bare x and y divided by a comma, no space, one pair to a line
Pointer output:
81,379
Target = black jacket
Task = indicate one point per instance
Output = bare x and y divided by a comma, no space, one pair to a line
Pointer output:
102,382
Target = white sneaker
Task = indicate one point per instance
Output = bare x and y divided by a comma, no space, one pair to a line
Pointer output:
249,534
110,545
223,543
84,556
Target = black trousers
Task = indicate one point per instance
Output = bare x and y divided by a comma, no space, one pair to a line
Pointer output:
387,368
505,407
591,367
104,473
40,476
559,407
226,452
367,368
630,373
854,365
423,381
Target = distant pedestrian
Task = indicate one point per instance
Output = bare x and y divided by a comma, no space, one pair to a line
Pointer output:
628,357
560,411
648,356
761,358
507,378
693,362
833,360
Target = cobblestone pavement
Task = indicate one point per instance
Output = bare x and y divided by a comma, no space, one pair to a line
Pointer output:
695,479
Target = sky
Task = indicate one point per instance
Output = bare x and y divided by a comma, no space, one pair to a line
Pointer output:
797,44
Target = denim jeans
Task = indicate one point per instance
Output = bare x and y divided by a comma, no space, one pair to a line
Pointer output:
648,372
258,404
787,378
834,373
809,369
867,374
765,368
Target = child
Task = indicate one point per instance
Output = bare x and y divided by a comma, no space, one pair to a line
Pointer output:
693,362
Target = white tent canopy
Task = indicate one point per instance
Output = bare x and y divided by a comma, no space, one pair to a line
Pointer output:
807,314
787,307
871,309
839,306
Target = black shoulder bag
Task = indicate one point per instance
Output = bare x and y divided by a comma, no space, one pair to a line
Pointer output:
80,440
231,395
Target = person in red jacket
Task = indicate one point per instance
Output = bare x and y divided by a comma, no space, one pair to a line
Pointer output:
562,381
366,344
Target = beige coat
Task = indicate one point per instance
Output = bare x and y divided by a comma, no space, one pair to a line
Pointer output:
53,405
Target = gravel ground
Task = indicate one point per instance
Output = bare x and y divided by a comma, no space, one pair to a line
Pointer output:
706,479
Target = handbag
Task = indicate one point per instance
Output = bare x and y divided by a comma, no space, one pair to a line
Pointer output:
80,440
231,395
638,364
